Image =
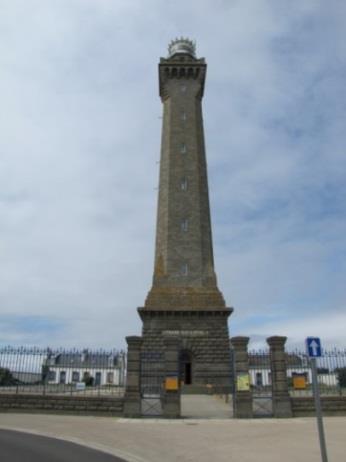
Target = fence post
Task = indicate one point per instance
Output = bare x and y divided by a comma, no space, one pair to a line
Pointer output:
281,399
132,401
122,373
242,398
171,397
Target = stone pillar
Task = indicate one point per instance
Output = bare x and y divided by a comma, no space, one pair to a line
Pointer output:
132,402
281,398
171,398
242,398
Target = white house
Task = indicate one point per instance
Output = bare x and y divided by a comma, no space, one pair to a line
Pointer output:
97,369
260,373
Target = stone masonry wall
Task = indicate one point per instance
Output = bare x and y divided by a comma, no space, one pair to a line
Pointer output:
331,405
86,405
204,335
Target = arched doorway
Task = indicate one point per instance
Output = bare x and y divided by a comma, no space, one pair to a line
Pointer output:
186,369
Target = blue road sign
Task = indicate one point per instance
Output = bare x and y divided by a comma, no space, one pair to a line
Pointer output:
313,347
314,350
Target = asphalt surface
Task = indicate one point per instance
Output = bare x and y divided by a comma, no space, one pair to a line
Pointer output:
24,447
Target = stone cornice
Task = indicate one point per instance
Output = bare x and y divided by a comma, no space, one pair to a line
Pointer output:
181,69
183,312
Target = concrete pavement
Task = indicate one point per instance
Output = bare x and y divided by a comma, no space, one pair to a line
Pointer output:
206,407
217,440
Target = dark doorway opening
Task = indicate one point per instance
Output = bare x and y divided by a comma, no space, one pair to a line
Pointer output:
186,367
188,378
98,379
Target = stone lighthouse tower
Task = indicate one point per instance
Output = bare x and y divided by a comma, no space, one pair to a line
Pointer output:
184,301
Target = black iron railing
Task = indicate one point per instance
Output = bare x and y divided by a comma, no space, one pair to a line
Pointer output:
331,368
62,371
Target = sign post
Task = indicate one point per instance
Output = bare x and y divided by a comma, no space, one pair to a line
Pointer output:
314,350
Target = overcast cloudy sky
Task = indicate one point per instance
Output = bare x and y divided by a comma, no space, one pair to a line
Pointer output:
79,149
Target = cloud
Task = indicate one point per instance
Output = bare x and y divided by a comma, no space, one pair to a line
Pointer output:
79,149
328,326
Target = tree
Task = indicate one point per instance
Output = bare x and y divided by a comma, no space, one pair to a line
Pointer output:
6,378
88,379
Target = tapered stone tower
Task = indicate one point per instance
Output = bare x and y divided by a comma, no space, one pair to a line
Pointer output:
184,300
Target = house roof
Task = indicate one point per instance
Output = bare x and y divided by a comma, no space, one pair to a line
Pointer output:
263,360
83,360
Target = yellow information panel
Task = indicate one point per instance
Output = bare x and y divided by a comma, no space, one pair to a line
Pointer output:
171,383
299,382
243,382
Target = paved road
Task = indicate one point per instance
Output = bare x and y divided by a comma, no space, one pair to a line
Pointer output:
18,447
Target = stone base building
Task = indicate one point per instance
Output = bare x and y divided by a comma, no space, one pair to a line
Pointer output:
204,356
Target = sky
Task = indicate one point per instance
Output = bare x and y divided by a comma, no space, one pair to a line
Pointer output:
80,122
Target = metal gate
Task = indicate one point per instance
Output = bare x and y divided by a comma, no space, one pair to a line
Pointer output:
262,403
151,383
262,394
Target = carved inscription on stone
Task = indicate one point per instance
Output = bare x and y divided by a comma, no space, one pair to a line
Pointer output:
185,333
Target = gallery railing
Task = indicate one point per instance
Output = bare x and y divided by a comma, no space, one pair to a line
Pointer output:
62,371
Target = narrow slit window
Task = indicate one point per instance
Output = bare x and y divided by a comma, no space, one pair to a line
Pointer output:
183,88
183,148
183,184
184,269
183,115
184,224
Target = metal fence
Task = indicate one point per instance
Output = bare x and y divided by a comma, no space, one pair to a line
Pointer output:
62,371
259,370
260,382
331,368
103,372
152,382
331,373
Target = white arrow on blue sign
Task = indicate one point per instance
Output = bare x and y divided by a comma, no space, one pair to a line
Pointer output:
313,347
